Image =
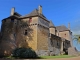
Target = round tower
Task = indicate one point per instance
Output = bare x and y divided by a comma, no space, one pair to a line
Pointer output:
52,28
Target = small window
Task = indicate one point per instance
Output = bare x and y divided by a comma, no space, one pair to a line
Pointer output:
12,20
25,32
51,42
25,40
30,20
14,35
65,35
57,43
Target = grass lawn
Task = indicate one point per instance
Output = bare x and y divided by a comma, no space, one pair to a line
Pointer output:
50,57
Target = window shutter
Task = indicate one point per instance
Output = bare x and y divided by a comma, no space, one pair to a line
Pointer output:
30,20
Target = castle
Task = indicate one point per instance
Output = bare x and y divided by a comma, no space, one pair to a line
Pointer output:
34,30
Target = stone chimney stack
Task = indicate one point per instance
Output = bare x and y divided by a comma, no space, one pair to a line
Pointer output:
69,26
40,9
12,11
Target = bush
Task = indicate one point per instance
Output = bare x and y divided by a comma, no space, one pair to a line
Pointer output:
24,53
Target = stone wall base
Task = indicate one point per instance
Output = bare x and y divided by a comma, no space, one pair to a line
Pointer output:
72,51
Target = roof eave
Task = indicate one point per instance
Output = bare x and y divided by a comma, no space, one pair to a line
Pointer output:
13,16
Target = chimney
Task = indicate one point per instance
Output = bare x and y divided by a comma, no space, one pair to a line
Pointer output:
40,9
12,11
69,26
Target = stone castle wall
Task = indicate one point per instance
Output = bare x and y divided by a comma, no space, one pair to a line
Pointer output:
42,38
31,37
7,43
56,44
33,34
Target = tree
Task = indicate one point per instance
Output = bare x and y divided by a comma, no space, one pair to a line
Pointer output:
76,37
24,53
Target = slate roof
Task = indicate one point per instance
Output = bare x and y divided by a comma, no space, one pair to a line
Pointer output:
51,24
62,28
12,17
17,14
34,13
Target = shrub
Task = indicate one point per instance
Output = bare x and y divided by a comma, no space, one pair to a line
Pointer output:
24,53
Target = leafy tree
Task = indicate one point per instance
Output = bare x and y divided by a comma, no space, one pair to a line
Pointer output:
76,37
24,53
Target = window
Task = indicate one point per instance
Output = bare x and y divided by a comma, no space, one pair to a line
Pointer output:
51,42
14,35
25,40
57,43
25,32
65,35
12,20
30,20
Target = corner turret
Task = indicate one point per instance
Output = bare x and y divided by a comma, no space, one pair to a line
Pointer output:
52,28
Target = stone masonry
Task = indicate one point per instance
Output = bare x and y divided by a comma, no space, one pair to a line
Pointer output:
34,31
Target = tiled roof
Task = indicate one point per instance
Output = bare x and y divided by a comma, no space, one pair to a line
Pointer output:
62,28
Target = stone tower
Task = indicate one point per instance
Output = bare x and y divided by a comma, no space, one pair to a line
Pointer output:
10,30
40,31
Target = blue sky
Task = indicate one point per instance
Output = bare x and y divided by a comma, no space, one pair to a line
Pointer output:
61,12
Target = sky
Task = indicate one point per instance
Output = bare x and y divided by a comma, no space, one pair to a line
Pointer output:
61,12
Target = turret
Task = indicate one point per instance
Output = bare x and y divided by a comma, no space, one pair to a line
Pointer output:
52,28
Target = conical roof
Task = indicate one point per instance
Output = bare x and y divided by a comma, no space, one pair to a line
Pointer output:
51,24
34,13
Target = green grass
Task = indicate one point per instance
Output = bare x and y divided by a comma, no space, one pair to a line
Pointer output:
50,57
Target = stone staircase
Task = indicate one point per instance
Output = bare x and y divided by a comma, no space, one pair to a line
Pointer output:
72,51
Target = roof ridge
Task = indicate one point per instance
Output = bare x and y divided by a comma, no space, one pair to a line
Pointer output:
62,28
